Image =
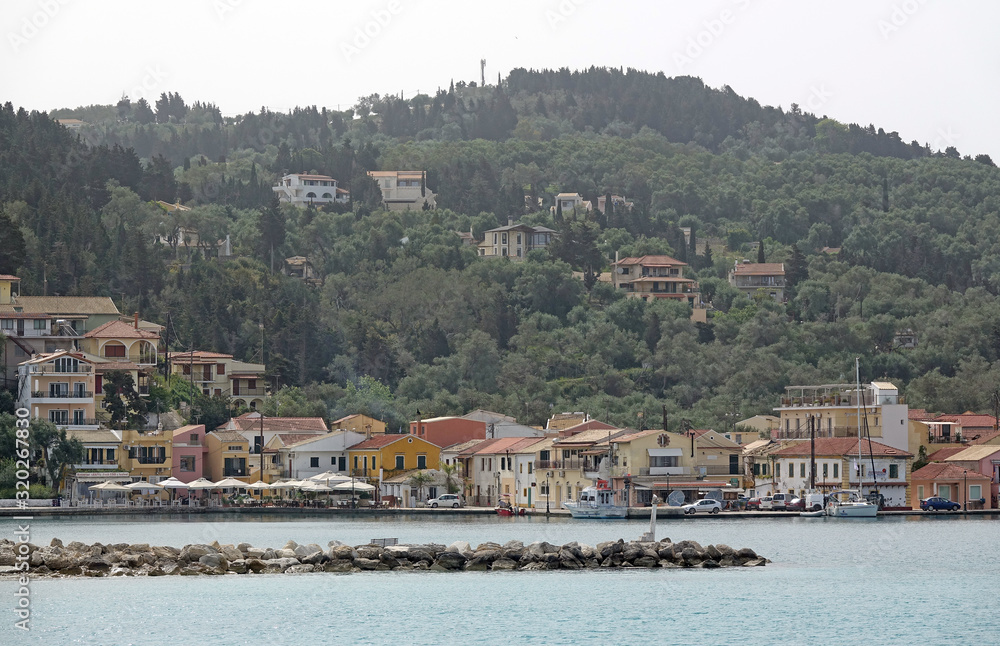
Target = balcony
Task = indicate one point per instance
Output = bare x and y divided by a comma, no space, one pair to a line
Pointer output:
99,465
249,392
80,394
945,439
561,465
83,368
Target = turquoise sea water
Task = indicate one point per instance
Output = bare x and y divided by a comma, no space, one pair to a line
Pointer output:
908,580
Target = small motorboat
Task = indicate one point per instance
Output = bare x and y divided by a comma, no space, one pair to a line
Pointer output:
505,508
813,514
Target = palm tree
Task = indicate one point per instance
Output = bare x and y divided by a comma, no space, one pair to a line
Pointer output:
450,472
419,480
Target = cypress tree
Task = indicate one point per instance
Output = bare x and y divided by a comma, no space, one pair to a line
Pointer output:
760,251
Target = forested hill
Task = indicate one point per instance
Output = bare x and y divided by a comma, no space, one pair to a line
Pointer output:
407,317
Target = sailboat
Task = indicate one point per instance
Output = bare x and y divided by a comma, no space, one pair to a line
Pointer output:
849,503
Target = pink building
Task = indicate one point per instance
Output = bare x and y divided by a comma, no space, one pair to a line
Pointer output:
190,453
983,459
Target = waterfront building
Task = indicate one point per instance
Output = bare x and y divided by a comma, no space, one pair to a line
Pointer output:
147,455
315,454
253,426
839,467
101,450
390,454
951,482
445,431
359,423
190,453
490,470
228,456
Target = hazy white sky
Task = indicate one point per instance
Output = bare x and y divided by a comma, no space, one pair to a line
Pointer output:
923,68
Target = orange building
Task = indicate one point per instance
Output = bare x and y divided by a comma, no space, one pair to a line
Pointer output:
445,431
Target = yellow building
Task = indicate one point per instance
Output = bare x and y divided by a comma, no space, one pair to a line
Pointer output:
147,455
59,387
392,453
215,373
228,456
358,423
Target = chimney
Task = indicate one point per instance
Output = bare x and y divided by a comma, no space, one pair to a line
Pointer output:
136,320
510,220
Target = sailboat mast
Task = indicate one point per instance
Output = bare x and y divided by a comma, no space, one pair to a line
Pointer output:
857,380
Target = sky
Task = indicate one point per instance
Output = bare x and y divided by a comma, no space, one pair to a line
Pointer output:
927,70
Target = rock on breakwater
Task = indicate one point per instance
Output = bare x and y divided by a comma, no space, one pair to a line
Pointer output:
123,559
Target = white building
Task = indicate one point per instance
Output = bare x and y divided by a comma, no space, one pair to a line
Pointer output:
319,454
302,189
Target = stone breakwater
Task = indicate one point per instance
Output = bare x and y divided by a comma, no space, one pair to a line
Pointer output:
122,559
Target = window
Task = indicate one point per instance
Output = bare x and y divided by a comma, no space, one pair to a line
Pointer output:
114,350
836,469
529,467
975,492
663,461
7,324
66,364
78,417
187,463
825,470
734,464
314,462
39,324
777,471
421,461
920,491
355,462
802,470
194,438
400,462
220,368
893,470
342,463
543,488
111,455
59,417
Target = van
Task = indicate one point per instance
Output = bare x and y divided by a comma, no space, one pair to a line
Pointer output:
815,501
779,501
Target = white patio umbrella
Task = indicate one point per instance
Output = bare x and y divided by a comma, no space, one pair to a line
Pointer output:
317,486
107,485
230,483
259,486
172,483
200,484
142,484
330,477
353,486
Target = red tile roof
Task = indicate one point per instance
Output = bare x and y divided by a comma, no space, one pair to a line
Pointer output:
251,422
844,446
8,277
984,438
120,330
969,419
652,261
946,452
945,471
919,414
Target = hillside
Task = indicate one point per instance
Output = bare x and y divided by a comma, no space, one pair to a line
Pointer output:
407,318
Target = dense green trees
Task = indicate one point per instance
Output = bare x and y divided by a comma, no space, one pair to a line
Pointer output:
407,317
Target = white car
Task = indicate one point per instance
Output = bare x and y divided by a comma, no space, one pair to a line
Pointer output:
445,500
707,505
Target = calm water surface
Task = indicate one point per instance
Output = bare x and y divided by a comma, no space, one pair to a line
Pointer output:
888,581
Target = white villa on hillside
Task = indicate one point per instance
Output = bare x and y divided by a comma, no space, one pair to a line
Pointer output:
301,189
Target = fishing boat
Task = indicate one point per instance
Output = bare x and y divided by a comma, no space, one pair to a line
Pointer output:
596,502
504,508
849,503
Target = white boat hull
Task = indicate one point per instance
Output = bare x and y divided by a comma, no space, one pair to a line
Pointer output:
852,510
585,510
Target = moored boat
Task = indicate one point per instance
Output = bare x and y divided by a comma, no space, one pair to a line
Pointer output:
596,502
850,504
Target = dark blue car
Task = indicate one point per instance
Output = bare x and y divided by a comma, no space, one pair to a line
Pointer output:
938,504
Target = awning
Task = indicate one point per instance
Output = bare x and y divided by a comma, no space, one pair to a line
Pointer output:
665,452
692,485
101,477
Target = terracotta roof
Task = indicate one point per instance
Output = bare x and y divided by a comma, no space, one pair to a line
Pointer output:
295,439
228,436
759,269
841,446
968,419
251,422
943,454
652,261
460,447
984,438
66,304
8,277
945,471
114,365
89,436
198,354
918,414
119,330
504,444
629,436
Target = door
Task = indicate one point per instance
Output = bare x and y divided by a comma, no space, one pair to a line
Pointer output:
342,463
944,491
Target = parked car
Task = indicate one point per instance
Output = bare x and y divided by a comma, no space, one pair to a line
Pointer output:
937,503
706,505
445,500
753,504
765,504
796,504
779,501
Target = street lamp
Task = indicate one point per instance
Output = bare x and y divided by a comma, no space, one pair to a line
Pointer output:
548,491
965,496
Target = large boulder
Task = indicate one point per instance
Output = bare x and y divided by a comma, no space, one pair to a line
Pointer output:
196,551
461,547
451,560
